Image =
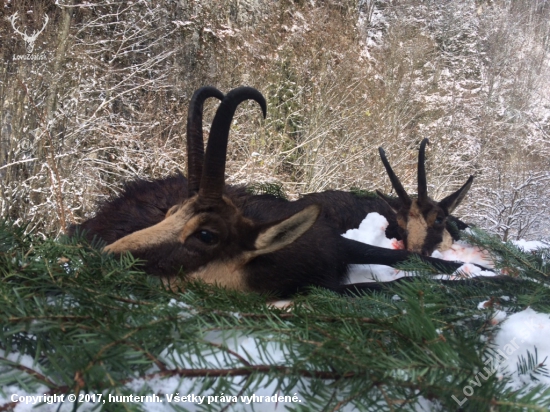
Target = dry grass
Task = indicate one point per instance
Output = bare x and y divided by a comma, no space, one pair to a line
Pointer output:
118,98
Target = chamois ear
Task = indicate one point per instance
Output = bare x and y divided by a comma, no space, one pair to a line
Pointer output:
452,201
283,233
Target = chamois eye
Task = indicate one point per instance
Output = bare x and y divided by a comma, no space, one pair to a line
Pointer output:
206,237
438,220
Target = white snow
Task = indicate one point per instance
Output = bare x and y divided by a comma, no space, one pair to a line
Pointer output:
529,245
521,333
372,231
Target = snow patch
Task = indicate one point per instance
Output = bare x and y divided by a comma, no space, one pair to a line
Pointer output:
521,333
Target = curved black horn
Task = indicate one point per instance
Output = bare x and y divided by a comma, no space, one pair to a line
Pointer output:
195,143
213,179
422,182
397,186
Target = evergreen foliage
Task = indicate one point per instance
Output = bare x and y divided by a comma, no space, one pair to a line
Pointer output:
74,320
362,192
275,189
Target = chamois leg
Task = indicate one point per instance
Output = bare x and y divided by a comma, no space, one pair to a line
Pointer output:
363,254
356,288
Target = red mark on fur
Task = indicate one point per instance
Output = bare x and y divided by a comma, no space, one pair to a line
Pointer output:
397,244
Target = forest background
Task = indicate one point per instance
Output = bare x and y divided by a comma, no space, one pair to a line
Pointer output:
100,96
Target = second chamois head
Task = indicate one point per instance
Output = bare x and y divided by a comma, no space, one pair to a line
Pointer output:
422,222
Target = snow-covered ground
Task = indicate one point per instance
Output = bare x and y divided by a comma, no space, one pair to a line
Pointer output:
520,335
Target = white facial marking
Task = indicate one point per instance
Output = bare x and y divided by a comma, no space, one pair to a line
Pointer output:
446,243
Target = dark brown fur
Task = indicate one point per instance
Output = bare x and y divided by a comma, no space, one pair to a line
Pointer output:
144,203
141,204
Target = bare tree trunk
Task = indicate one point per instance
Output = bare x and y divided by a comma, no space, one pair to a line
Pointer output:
59,60
49,120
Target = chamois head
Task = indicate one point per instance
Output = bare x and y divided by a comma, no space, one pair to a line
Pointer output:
144,203
206,236
422,221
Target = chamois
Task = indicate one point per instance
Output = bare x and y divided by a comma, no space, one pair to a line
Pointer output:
422,222
258,243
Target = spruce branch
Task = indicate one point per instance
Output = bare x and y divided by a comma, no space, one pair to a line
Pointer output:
381,349
43,379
